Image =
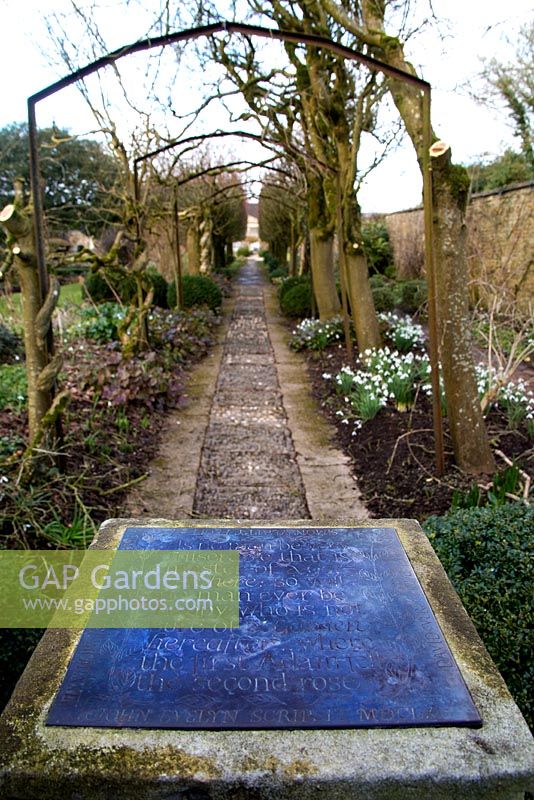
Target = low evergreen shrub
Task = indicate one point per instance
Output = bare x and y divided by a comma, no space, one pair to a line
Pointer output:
384,296
11,348
197,290
244,250
16,647
295,296
160,287
231,270
103,290
488,554
272,263
410,296
293,280
413,295
376,246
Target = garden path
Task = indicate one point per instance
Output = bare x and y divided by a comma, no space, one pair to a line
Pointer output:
251,443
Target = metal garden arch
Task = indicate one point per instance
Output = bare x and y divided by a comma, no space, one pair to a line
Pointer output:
281,35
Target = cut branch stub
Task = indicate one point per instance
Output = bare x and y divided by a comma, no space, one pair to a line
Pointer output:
16,224
439,149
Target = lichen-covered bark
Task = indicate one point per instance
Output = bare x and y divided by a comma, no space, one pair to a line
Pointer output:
468,431
361,301
19,228
321,228
322,267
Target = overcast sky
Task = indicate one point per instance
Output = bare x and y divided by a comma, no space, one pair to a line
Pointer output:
448,55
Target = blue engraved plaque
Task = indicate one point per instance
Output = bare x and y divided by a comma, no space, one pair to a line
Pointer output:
335,632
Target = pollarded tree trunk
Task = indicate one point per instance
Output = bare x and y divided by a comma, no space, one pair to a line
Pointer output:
41,372
322,268
449,193
361,301
321,231
293,251
193,247
358,287
305,257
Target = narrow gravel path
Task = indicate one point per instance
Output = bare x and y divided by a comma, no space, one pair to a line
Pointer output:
251,442
248,466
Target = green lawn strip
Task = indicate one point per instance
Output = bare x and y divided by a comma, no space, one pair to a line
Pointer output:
11,309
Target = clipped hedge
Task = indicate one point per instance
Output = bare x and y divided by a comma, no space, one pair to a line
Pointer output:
274,267
197,290
115,285
384,294
488,554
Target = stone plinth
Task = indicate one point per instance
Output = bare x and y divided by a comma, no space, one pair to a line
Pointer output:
39,762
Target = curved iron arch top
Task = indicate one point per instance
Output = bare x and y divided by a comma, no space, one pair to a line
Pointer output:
229,27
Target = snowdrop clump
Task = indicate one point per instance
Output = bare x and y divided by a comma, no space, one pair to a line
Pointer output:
388,375
313,334
402,331
514,397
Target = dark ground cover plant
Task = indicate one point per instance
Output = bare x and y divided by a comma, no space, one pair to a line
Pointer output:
488,553
111,431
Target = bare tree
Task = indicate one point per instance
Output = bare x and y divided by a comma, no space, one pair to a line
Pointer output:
450,188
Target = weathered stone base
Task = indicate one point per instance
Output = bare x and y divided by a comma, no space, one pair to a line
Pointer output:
55,763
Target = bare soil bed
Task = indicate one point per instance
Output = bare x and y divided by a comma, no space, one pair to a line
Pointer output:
393,454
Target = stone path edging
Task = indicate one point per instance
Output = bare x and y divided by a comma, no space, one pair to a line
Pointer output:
292,469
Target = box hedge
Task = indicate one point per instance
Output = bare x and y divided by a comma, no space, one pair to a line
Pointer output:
488,555
295,296
197,290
